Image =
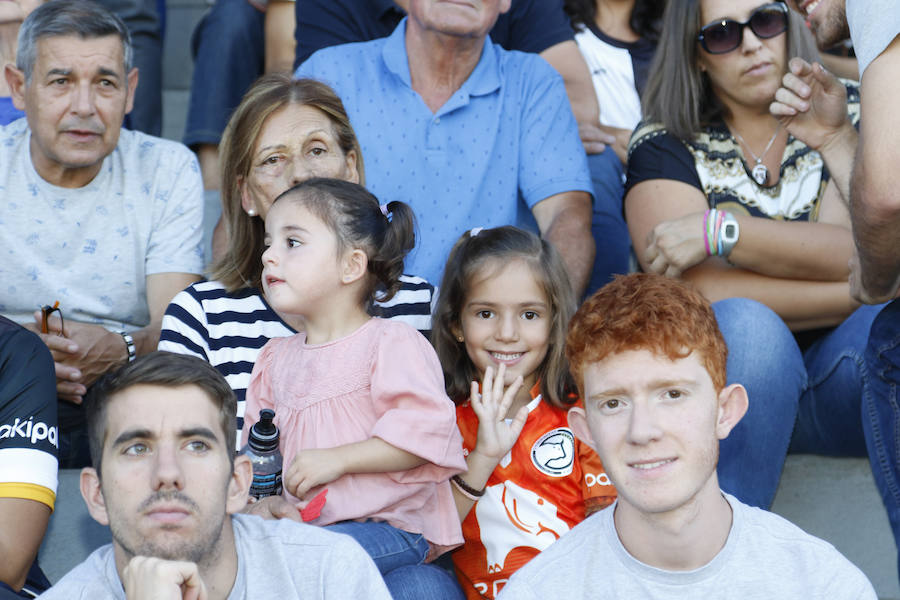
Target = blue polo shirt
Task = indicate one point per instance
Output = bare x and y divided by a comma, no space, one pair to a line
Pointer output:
528,25
8,112
503,142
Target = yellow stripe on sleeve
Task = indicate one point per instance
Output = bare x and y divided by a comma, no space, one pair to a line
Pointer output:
28,491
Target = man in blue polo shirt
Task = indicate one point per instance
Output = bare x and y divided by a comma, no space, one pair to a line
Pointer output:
465,132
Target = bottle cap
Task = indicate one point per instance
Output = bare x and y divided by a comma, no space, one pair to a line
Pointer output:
264,434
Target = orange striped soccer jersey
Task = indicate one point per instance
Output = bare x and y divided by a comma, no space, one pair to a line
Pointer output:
545,486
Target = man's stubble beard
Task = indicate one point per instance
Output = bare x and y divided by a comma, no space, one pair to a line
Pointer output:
204,550
835,29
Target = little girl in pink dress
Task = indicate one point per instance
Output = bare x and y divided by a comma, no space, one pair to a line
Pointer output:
360,401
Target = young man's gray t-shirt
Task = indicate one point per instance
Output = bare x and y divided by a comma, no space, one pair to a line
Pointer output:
873,26
276,559
765,556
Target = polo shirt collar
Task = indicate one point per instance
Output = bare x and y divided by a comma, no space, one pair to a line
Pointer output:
484,80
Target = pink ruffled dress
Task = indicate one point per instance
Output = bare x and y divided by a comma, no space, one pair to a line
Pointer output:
383,380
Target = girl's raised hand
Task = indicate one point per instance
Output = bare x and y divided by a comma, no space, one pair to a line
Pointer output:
311,468
495,436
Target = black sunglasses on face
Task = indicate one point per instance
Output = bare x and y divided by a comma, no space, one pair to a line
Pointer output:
724,36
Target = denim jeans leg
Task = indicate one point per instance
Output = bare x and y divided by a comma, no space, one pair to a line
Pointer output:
762,356
881,410
389,547
144,23
423,581
607,222
229,52
829,420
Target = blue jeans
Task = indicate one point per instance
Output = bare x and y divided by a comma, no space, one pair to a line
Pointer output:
608,223
400,558
144,21
229,54
823,386
830,418
764,357
881,410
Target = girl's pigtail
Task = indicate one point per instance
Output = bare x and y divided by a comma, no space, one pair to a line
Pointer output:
399,238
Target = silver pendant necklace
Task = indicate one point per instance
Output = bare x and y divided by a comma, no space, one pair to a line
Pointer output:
759,172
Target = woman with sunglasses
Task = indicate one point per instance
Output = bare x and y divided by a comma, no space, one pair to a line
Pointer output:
720,193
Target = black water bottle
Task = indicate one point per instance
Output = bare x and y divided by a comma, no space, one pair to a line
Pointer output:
262,450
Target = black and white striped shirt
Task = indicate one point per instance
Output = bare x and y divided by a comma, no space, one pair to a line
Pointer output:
229,329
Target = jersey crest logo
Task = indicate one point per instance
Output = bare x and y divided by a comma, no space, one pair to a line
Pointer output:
554,452
510,516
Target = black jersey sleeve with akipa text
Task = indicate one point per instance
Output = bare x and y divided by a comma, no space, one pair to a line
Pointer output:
29,438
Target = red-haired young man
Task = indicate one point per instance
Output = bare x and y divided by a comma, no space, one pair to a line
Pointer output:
649,360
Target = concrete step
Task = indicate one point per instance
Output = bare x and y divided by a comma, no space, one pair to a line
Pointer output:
175,105
836,499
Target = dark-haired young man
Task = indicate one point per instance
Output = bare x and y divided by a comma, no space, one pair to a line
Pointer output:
167,482
649,360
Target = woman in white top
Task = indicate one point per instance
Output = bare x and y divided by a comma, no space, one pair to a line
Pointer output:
617,39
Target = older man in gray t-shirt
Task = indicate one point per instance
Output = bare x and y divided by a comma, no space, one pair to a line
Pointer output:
107,222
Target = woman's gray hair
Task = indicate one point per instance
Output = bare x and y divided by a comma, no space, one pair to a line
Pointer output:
84,18
678,94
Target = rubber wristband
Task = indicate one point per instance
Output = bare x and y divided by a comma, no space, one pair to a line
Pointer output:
711,231
706,232
465,489
129,345
719,220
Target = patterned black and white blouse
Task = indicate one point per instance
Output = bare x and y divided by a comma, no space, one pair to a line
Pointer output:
713,163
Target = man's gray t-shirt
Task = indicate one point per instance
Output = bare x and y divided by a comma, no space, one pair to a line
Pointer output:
765,556
873,26
276,559
92,248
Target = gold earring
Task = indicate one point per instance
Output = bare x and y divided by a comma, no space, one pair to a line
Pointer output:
460,339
